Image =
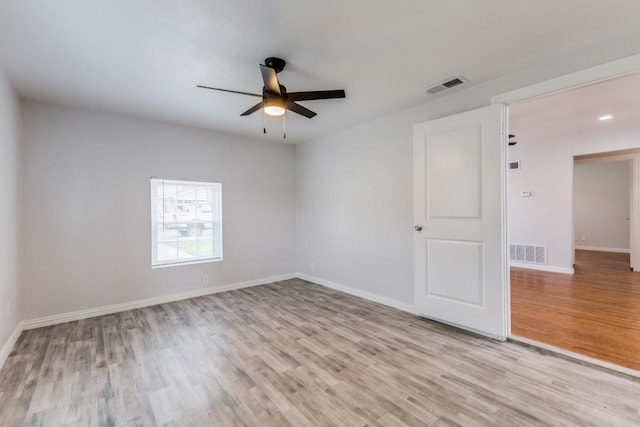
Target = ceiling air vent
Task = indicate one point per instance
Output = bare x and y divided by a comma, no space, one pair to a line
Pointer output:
449,83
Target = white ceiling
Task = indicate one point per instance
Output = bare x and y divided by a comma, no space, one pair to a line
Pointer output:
577,111
146,57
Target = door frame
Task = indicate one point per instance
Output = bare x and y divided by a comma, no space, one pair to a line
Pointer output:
595,74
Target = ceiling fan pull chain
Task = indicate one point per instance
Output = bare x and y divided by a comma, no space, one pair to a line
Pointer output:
264,122
284,126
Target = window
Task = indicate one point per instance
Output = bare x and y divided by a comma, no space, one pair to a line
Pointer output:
186,222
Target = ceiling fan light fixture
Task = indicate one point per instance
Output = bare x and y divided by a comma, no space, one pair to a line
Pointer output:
274,110
274,107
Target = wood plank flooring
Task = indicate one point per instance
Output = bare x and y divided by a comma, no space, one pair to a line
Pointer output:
595,312
294,354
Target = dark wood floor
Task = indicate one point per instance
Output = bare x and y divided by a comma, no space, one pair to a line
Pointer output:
595,312
295,354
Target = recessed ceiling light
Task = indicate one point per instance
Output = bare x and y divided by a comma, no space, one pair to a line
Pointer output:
605,117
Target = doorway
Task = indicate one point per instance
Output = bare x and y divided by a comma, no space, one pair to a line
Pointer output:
580,294
602,193
547,251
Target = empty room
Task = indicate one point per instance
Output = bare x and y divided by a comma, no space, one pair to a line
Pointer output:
293,213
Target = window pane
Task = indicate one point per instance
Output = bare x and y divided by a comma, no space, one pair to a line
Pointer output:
166,243
187,221
205,248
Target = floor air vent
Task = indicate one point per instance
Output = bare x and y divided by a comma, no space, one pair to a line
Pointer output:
449,83
528,253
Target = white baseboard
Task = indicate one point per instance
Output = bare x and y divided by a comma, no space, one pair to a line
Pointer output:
116,308
599,249
400,305
8,346
539,267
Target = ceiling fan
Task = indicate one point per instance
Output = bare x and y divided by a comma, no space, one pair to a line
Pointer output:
275,98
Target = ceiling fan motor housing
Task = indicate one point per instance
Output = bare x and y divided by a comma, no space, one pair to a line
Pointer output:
266,93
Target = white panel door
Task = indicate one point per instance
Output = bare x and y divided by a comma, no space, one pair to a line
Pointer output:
461,274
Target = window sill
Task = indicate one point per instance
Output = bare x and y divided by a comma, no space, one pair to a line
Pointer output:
177,264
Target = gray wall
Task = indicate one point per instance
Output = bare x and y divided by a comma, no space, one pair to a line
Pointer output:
86,208
601,204
9,207
547,217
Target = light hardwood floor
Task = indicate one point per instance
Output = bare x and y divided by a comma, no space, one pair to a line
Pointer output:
595,312
294,353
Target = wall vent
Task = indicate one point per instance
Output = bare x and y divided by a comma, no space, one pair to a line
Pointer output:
514,165
528,253
449,83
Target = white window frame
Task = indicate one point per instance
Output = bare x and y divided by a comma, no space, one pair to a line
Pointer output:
217,240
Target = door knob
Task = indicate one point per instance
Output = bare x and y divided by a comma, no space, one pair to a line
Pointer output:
417,228
628,218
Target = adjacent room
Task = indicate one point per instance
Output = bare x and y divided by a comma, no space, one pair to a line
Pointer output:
573,207
298,213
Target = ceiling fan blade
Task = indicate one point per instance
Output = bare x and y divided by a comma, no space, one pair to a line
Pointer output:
252,109
270,79
231,91
297,108
316,94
